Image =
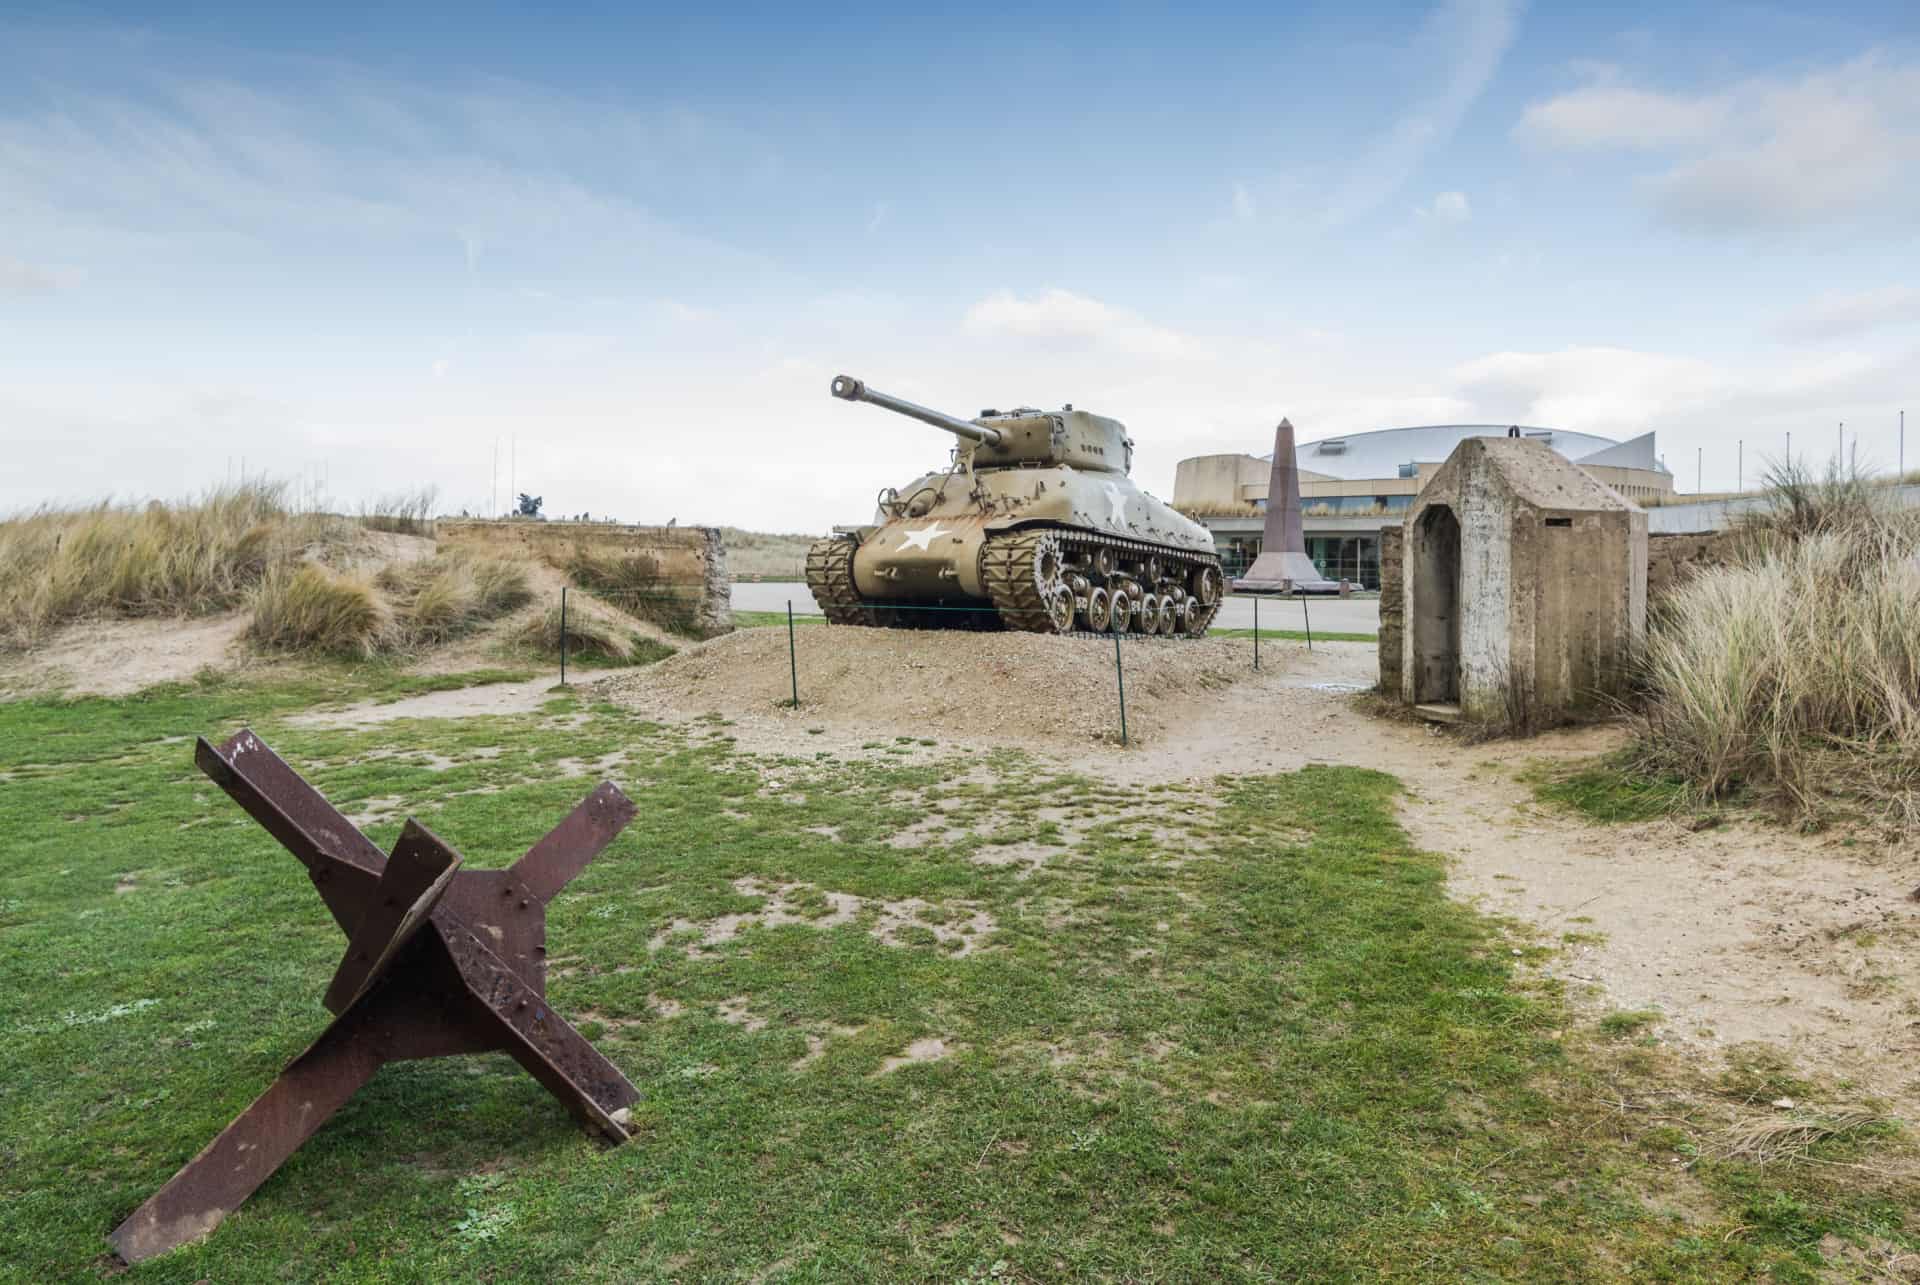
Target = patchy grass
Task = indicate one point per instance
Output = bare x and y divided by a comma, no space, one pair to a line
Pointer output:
1611,790
1038,1040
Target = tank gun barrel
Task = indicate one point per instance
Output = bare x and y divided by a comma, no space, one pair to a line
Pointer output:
849,389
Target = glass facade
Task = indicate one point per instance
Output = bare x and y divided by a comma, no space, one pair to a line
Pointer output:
1339,557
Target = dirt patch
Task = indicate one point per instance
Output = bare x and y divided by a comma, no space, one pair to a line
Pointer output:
931,1049
463,702
115,657
943,684
959,930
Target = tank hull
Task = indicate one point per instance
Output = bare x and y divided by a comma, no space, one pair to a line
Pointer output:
1041,549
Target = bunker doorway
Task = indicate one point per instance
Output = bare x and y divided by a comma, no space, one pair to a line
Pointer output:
1436,605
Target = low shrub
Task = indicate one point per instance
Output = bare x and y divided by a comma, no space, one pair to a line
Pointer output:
309,608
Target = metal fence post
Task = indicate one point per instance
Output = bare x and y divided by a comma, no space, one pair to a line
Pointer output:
1120,678
563,635
1308,619
793,661
1256,631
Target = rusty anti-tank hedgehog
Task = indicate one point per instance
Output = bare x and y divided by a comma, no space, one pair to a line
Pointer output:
1035,525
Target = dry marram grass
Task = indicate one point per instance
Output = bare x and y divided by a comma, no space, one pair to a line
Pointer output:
1795,671
157,559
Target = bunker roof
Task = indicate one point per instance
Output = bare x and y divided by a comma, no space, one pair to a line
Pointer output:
1533,471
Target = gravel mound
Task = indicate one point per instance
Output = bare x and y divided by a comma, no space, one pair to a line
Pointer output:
1008,688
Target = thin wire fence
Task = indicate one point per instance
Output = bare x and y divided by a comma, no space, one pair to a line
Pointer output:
667,609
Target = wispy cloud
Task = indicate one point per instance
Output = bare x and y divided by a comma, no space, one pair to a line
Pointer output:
1244,209
24,278
1060,316
1447,207
1843,313
1466,40
1760,154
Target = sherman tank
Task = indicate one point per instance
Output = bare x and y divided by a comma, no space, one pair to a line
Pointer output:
1034,525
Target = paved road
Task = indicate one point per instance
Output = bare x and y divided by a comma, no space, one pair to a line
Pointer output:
1336,615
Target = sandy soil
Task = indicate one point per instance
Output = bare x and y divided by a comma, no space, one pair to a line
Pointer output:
990,688
1742,932
115,657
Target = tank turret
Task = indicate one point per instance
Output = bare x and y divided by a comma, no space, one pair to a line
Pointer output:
1034,525
1066,438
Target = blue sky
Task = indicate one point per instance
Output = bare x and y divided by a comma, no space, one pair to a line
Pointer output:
369,242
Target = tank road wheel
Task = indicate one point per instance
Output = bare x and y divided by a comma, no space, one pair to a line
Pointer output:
1194,620
1099,609
1169,616
1147,619
1103,562
1205,584
1060,609
830,580
1119,611
1025,575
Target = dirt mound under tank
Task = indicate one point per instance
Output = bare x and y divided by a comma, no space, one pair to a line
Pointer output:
1004,688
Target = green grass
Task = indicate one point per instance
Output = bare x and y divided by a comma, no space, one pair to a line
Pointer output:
1612,790
1272,1049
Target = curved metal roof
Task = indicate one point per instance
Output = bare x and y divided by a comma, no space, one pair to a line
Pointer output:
1382,452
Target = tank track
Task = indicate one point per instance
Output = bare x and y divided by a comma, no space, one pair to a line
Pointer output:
830,580
1007,566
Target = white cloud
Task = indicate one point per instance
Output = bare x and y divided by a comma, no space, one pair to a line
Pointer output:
1243,205
1448,207
1609,116
24,278
1837,143
1841,313
1594,390
1060,316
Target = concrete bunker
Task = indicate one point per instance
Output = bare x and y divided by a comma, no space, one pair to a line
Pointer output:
1525,589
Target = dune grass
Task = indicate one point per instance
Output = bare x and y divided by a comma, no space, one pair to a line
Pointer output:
157,559
593,639
438,599
1793,674
310,608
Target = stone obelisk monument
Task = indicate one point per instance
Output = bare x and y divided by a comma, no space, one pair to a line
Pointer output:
1283,565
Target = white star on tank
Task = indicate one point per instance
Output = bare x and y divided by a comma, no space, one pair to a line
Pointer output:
1116,501
922,539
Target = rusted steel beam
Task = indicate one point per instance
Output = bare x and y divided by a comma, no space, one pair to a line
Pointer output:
440,960
417,874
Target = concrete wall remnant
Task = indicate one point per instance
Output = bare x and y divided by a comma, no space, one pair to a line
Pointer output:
682,569
1392,610
1524,589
